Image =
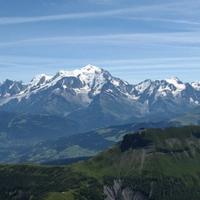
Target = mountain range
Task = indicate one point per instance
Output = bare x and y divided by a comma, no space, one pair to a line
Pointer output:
54,117
93,98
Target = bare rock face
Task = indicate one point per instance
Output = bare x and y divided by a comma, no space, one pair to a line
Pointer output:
118,192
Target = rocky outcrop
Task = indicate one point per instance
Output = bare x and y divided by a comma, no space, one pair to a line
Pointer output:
118,192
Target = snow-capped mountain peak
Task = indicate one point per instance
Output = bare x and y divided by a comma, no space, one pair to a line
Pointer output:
196,85
81,82
9,88
40,79
87,70
70,91
91,69
142,86
177,83
91,77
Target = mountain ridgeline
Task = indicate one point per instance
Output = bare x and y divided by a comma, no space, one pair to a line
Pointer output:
92,98
82,112
152,164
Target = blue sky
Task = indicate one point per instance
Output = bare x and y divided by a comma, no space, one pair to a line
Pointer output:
133,39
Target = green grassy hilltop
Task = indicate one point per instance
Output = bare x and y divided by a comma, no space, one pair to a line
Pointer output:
152,164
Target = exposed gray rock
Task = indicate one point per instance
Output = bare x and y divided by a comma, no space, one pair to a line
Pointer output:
118,192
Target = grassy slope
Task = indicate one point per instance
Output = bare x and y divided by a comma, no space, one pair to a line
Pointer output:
168,150
170,161
165,162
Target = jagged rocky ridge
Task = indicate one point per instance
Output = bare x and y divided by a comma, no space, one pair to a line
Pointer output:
94,98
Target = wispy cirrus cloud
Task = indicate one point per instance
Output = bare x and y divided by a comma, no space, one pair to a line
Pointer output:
168,20
181,11
144,10
113,64
191,39
166,28
69,16
132,70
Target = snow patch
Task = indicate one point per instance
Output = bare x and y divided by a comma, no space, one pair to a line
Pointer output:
177,83
196,85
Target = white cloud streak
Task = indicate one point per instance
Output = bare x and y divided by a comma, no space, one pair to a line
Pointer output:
129,69
168,20
113,63
191,39
69,16
144,10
